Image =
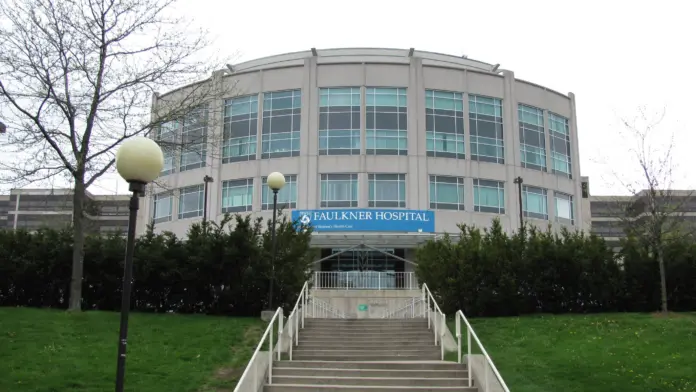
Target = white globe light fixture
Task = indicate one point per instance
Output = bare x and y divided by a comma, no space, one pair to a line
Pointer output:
275,181
139,161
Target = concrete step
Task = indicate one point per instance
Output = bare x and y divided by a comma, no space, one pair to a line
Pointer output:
359,345
368,365
365,332
352,388
426,339
399,322
376,371
371,381
332,355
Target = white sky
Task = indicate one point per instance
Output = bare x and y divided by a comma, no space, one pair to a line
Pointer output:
615,55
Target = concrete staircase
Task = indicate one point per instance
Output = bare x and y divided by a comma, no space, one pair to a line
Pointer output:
367,355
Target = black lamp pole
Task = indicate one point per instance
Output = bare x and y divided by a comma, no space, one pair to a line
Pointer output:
273,249
138,189
518,181
206,180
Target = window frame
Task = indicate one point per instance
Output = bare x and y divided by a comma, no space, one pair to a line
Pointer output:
326,178
524,128
267,116
569,198
190,214
227,185
373,180
488,184
531,190
290,186
252,136
498,143
354,133
371,133
435,136
460,184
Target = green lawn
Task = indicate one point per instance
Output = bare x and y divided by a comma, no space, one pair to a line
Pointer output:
49,350
598,353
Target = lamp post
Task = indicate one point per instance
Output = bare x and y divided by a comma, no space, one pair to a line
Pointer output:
275,181
139,161
518,181
206,180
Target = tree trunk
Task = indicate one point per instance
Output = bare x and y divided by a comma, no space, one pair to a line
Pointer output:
75,303
663,280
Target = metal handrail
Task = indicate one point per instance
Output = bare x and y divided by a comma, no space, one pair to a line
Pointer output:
439,322
411,305
295,322
325,307
469,334
278,315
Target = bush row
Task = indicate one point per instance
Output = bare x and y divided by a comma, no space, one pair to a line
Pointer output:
219,269
490,273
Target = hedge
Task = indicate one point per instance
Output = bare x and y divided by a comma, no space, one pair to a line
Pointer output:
490,273
221,269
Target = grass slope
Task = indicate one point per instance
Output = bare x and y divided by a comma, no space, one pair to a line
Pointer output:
49,350
599,353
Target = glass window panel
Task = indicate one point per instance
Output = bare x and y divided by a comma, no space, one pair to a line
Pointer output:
339,190
532,137
281,124
444,123
240,129
447,192
287,195
534,202
191,202
237,195
339,121
386,125
486,129
489,196
162,207
564,208
559,129
387,190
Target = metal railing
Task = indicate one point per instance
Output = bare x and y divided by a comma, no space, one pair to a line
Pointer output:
436,319
365,280
489,362
254,379
296,320
322,309
415,308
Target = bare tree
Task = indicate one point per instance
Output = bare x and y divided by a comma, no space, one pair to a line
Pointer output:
77,78
655,212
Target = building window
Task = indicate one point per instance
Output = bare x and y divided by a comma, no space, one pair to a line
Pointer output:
489,196
287,195
564,208
281,124
532,139
339,121
387,190
559,133
446,193
191,202
486,129
534,202
167,138
444,124
237,195
162,207
240,129
194,141
386,129
339,190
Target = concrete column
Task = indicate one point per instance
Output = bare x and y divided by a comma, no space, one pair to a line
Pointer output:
310,162
512,149
578,205
215,143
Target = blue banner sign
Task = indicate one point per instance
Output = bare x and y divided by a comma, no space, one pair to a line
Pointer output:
405,221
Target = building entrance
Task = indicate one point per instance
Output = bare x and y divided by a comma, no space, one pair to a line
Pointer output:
362,268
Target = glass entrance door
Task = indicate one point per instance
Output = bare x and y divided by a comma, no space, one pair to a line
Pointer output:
364,268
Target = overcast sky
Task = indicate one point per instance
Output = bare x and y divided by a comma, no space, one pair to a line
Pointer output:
615,55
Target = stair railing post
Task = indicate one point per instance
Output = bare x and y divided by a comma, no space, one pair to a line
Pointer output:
427,309
270,357
280,333
459,338
468,355
443,325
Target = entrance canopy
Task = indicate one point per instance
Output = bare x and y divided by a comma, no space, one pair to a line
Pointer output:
380,240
